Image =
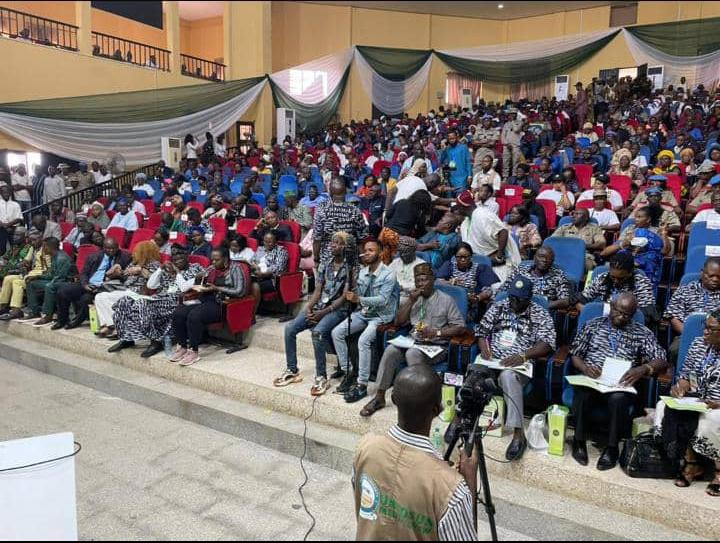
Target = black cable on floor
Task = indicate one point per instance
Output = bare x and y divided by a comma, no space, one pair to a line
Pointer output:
302,466
75,453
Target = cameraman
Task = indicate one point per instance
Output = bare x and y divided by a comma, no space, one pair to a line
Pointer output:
439,506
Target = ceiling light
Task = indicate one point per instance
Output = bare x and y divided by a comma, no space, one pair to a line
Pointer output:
500,6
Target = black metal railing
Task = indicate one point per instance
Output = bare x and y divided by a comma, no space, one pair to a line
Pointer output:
130,51
31,28
203,69
75,200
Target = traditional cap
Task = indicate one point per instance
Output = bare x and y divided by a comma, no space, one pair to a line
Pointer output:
423,269
652,191
521,287
660,178
600,193
556,178
466,199
715,180
603,178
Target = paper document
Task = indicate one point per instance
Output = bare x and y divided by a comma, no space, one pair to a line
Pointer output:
685,404
404,342
613,370
584,381
494,364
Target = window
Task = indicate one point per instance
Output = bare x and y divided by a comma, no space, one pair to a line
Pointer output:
29,160
302,80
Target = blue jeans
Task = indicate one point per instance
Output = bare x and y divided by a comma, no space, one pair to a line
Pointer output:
368,327
320,338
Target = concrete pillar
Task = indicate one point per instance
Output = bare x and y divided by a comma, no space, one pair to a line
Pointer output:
247,42
83,20
172,26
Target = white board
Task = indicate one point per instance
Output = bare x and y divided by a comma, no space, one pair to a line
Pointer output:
38,503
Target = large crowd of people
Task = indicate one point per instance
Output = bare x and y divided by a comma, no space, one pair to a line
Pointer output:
503,223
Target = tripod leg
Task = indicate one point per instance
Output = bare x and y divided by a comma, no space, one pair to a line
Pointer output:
485,482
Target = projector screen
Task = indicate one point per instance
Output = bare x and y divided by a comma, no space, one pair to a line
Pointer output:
149,13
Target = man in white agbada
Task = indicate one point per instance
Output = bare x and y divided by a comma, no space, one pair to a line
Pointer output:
487,235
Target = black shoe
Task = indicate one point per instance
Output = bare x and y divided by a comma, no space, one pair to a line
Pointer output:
75,323
608,459
516,449
120,345
30,316
356,393
579,452
346,384
58,325
339,373
154,348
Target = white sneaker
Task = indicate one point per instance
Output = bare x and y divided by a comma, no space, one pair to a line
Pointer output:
321,386
287,378
190,358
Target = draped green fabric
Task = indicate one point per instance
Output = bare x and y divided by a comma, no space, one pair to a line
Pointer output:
131,107
522,71
394,64
311,117
681,38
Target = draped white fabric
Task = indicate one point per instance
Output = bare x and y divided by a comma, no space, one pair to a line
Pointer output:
139,143
392,97
528,50
703,69
314,81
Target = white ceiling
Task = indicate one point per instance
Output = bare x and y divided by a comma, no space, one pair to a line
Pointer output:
480,10
193,11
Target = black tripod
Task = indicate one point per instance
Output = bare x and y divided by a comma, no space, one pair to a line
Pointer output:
470,441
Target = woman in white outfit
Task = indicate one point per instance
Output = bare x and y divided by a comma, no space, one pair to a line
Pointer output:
191,146
145,260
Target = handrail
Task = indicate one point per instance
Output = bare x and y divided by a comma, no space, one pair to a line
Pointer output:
36,29
75,200
202,68
133,52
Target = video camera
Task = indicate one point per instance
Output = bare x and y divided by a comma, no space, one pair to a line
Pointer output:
477,391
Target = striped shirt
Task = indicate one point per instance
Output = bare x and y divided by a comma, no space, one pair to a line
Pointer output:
535,325
331,217
692,298
704,361
599,339
276,261
601,289
554,285
457,523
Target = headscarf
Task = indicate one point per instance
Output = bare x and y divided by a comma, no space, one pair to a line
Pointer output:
407,245
666,153
619,154
687,151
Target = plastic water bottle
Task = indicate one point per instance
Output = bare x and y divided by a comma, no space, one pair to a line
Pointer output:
168,345
437,440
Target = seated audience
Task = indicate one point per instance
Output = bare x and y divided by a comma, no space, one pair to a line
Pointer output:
548,279
560,194
404,265
268,264
197,244
583,229
524,231
441,242
124,218
462,271
61,270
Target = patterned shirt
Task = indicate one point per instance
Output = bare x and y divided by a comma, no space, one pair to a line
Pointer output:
599,339
554,285
692,298
533,326
599,289
704,361
276,260
331,217
457,524
333,284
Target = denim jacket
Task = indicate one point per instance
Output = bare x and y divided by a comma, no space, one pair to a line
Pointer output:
379,297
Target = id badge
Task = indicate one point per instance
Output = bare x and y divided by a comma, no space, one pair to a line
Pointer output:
183,217
506,339
693,381
606,309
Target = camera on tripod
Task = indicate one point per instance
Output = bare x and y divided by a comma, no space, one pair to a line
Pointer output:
475,394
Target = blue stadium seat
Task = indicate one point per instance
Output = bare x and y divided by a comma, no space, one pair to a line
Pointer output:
692,328
482,259
568,219
569,255
689,278
260,199
695,259
700,234
540,300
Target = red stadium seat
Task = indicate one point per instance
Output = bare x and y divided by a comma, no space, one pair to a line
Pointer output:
675,183
149,206
512,194
69,249
550,213
83,252
199,259
179,238
239,314
245,226
295,229
118,234
140,235
622,184
289,283
66,228
154,221
197,205
583,172
252,243
140,219
589,204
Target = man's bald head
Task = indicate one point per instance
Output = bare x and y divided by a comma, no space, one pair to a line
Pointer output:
417,393
622,309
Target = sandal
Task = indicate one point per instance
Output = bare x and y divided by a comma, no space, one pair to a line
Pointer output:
371,408
686,478
713,489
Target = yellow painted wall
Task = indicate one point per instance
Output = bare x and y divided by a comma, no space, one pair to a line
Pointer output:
202,38
120,27
57,11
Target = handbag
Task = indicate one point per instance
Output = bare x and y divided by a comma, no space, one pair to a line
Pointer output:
644,458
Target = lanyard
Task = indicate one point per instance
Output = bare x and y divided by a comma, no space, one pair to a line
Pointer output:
514,322
711,357
613,338
423,310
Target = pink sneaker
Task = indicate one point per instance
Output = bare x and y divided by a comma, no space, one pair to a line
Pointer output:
179,354
190,358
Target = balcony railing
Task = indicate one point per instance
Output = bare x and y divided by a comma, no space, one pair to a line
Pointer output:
203,69
30,28
131,52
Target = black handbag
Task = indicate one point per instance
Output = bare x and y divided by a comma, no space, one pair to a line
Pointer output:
643,457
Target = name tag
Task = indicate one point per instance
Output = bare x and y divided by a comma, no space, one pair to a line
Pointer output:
173,235
693,381
184,217
510,192
606,309
203,192
506,339
232,227
712,250
454,379
208,237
